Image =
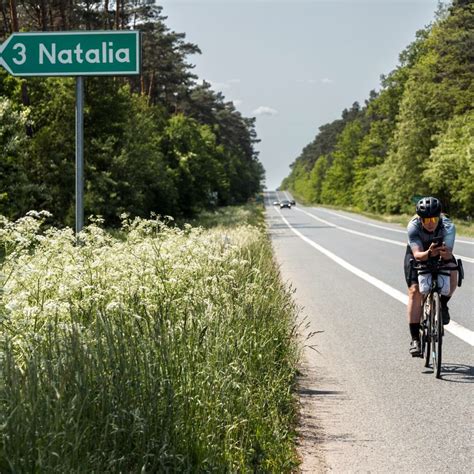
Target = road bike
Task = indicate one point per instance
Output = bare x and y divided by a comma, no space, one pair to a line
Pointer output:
431,327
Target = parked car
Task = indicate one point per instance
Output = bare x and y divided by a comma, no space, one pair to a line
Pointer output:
285,203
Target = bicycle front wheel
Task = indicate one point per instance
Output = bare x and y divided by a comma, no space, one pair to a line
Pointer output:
425,331
436,321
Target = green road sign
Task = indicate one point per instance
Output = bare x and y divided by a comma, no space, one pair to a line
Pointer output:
416,198
72,53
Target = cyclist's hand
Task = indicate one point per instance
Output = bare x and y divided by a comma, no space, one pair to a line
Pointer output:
435,249
445,252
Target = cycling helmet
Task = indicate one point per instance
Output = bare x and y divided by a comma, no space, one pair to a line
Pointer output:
428,207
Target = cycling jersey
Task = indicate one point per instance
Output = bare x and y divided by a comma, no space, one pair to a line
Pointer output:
420,238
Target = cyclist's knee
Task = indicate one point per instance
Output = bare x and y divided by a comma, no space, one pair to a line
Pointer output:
414,291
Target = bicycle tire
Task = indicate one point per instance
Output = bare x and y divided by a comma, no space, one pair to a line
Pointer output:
425,332
437,334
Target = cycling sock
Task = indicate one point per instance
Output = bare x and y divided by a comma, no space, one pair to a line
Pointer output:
444,300
415,331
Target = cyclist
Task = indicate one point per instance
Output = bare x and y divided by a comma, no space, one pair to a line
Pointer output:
431,235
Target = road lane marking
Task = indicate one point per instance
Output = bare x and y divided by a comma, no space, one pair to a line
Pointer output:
382,239
375,225
454,328
381,226
364,222
351,231
368,236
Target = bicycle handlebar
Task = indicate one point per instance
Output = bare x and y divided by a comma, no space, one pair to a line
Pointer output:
438,266
433,265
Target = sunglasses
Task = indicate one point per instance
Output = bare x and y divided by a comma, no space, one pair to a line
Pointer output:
427,220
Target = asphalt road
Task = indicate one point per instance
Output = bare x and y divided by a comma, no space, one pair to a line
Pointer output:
367,405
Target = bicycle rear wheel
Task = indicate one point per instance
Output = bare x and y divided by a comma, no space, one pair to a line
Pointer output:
436,321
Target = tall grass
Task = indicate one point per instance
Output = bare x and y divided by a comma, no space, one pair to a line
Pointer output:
231,216
166,350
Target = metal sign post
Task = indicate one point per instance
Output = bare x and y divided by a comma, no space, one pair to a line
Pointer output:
73,53
79,153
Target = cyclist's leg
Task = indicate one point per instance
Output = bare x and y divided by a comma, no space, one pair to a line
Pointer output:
414,311
414,304
414,295
453,283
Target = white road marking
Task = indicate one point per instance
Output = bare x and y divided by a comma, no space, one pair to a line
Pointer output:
374,225
381,226
454,328
363,222
368,236
345,229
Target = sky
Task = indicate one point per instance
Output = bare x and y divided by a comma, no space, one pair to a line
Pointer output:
295,65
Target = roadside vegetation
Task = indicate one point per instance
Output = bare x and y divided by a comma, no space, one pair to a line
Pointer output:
230,216
160,142
167,349
413,137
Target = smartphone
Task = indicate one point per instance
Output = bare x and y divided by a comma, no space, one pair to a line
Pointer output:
438,241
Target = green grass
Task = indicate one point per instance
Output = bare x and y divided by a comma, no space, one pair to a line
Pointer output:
167,350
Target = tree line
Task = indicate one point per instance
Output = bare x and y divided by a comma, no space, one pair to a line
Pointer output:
160,142
413,137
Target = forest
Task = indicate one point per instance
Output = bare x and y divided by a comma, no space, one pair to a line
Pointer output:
161,142
413,137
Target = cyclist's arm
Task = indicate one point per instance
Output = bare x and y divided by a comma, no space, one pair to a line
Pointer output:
446,251
423,255
416,244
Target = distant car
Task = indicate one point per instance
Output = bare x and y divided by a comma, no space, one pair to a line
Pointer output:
292,202
276,203
285,203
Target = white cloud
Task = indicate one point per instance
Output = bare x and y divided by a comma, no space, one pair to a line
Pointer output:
326,80
237,102
264,110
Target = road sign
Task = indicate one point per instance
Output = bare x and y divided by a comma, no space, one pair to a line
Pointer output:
416,198
72,53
